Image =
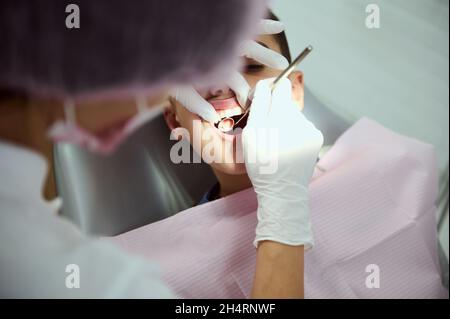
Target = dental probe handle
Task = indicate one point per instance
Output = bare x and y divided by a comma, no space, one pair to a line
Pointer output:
283,75
292,66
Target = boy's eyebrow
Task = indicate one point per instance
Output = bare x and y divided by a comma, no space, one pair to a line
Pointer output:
263,44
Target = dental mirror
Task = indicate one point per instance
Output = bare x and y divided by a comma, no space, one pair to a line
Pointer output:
228,124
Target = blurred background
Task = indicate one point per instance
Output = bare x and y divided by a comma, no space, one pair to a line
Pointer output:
397,74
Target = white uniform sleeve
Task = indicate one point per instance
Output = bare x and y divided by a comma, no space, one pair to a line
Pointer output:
45,256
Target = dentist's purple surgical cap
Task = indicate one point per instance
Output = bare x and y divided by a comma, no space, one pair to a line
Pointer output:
120,46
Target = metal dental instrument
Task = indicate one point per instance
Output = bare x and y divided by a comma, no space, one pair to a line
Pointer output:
283,75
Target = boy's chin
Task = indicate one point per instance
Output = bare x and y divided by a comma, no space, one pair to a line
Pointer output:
231,168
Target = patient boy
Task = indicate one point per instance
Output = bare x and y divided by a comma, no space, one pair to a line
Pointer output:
231,175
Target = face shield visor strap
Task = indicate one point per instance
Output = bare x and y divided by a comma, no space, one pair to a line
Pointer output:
144,114
68,130
141,103
69,112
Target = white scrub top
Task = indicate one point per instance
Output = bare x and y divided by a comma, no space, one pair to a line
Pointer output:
42,255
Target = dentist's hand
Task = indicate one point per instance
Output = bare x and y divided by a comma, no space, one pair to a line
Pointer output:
195,103
280,150
257,52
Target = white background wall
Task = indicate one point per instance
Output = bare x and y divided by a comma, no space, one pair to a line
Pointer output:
397,75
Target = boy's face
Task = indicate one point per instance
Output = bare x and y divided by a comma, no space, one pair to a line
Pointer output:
223,99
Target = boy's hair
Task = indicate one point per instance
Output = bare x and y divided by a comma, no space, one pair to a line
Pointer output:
281,39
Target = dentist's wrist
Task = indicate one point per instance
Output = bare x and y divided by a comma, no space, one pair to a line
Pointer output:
289,226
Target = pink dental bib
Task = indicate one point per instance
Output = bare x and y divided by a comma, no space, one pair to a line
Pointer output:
373,217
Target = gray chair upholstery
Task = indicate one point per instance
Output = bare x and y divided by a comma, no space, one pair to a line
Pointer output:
135,186
328,122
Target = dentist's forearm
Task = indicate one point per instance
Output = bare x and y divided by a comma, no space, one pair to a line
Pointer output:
279,271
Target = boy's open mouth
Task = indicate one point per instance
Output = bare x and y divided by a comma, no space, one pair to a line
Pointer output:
226,107
230,112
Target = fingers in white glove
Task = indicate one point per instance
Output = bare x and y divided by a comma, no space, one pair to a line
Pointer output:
261,103
195,103
280,173
257,52
286,110
267,26
241,87
282,97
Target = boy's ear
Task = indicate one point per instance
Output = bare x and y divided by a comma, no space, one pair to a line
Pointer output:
298,85
170,116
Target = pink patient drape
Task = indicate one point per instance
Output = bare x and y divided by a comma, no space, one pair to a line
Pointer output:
372,203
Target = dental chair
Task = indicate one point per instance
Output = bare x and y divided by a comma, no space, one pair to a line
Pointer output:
139,184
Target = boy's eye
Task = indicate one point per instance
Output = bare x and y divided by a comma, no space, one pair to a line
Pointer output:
253,67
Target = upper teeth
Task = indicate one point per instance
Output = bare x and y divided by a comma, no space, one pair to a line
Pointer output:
230,112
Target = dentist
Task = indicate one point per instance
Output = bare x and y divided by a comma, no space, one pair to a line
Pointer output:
80,85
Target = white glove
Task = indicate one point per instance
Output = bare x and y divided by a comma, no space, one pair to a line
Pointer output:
280,149
257,52
193,101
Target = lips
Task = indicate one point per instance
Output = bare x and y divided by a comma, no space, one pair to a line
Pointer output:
225,104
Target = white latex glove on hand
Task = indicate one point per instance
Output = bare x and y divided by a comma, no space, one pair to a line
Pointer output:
257,52
292,146
195,103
